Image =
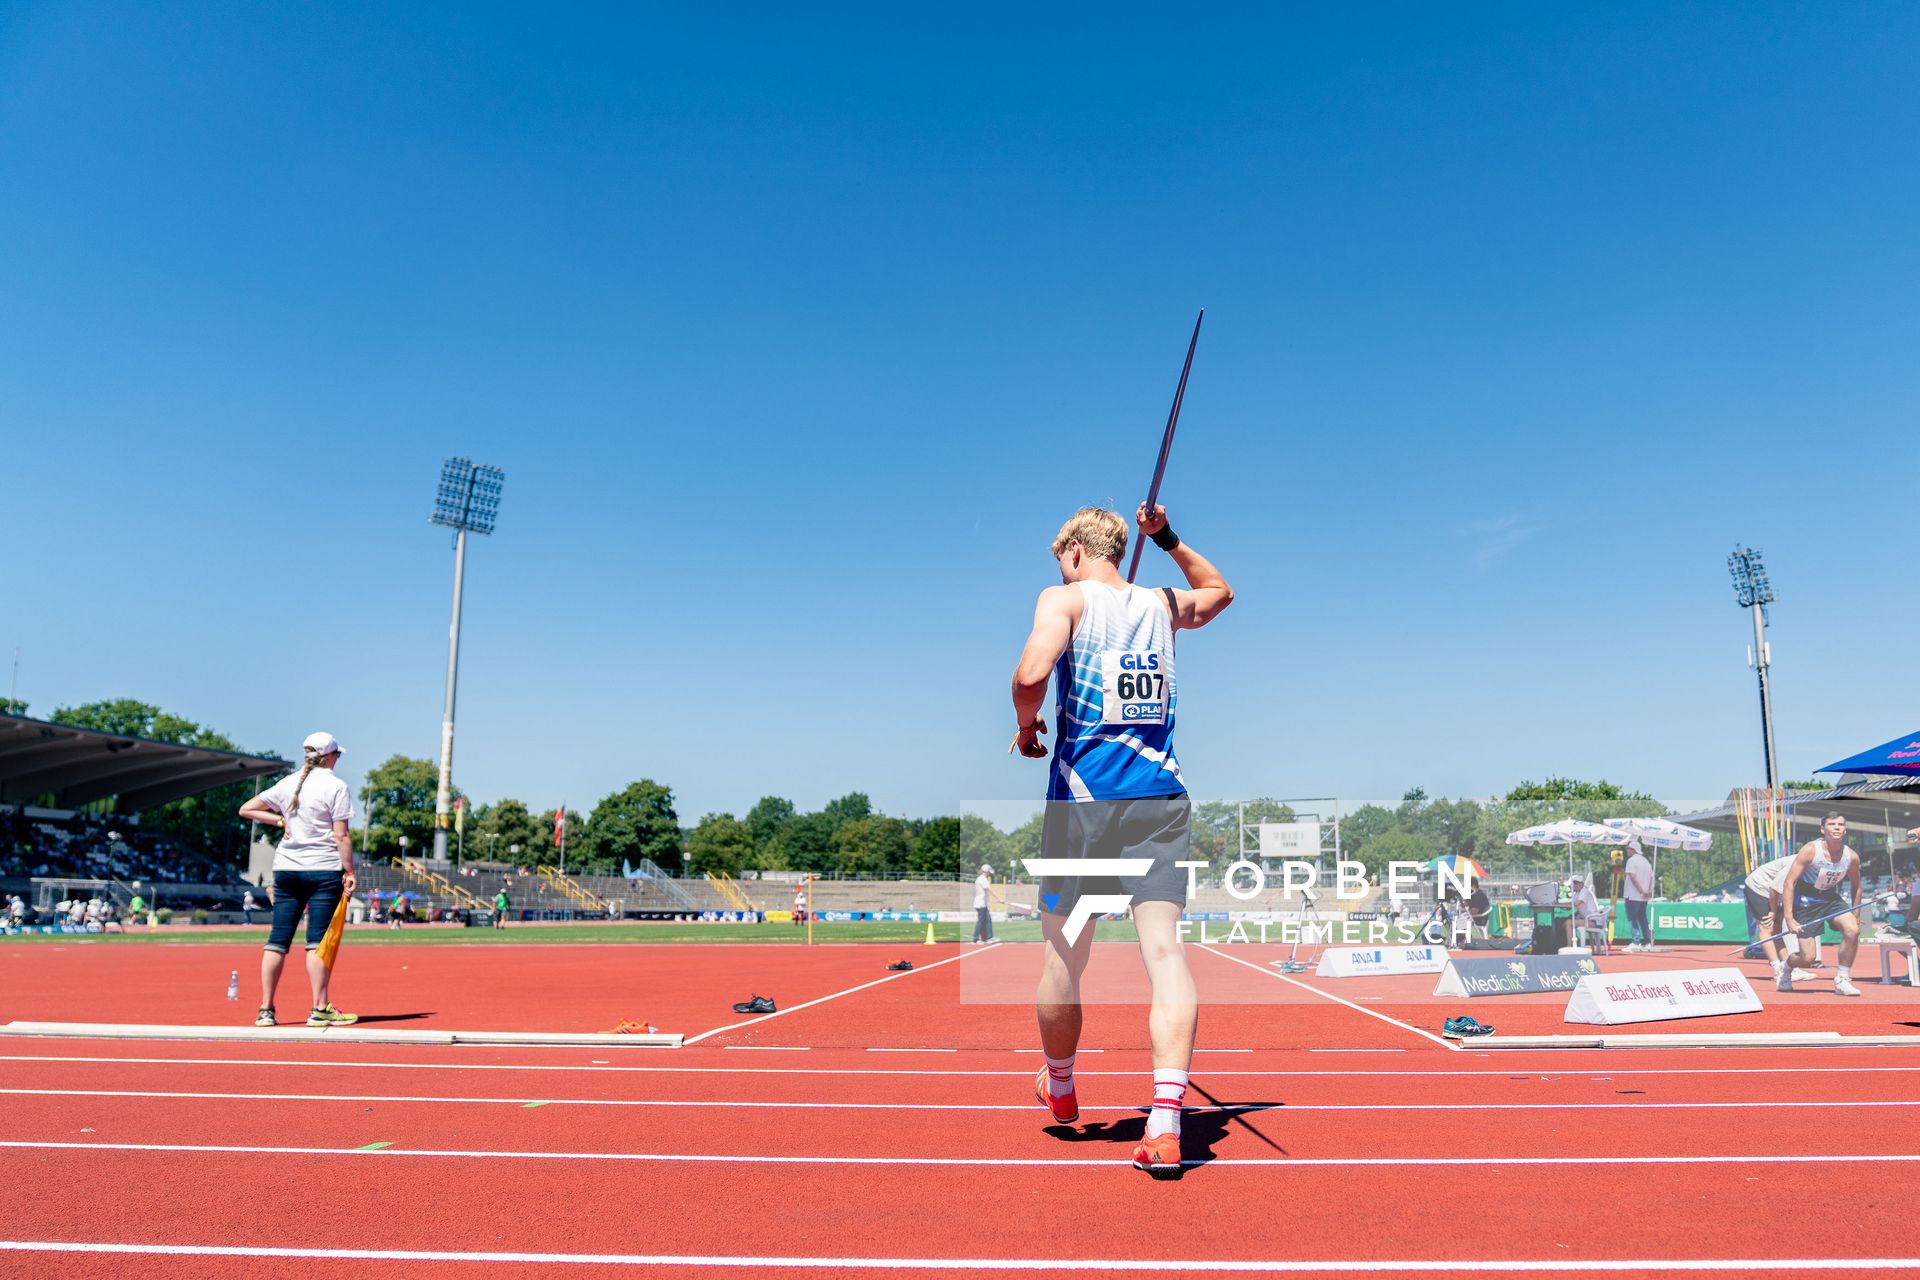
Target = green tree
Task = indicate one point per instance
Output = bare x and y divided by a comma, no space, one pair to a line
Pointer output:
12,707
635,822
936,850
397,797
1393,846
1365,825
768,815
497,827
872,846
848,808
981,841
580,855
803,843
721,844
1022,842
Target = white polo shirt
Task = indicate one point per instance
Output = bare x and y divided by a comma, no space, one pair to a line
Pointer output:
980,890
1770,878
308,842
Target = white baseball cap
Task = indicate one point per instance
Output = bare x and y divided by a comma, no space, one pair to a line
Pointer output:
986,866
321,744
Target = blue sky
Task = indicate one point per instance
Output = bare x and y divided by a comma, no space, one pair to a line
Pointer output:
797,335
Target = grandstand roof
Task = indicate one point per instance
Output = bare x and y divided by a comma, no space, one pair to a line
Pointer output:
79,766
1885,807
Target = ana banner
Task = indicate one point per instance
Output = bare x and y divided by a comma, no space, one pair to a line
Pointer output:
1612,1000
1361,962
1512,975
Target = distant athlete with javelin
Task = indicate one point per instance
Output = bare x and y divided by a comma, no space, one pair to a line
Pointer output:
1114,791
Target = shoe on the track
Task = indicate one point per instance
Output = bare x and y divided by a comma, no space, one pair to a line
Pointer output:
264,1019
1462,1027
328,1016
900,966
1844,986
1064,1109
1159,1156
759,1004
1783,981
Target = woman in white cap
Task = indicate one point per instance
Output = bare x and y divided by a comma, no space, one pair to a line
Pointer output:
312,869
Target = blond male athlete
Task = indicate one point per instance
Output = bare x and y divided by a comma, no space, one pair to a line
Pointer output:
1114,791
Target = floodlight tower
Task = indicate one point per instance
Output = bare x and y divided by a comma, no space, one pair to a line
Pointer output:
467,502
1753,591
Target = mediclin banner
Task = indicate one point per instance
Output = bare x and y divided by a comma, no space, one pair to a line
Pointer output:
1513,975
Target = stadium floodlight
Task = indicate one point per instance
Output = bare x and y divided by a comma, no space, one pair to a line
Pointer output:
467,502
1754,591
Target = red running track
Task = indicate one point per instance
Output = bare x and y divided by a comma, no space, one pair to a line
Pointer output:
1405,1152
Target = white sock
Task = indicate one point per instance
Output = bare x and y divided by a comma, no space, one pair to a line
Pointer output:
1169,1094
1843,974
1779,967
1059,1076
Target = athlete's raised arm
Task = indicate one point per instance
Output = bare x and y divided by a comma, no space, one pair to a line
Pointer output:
1053,616
1207,593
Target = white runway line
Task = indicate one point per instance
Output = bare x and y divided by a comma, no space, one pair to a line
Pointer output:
1110,1163
730,1103
772,1048
751,1262
1492,1073
808,1004
1443,1042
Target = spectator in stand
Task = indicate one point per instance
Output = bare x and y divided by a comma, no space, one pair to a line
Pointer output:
1639,892
246,907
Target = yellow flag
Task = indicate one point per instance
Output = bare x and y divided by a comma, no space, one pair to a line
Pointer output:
330,945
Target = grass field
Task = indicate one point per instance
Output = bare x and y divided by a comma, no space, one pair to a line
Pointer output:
895,932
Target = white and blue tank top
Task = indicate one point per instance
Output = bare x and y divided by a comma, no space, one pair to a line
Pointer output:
1116,698
1824,871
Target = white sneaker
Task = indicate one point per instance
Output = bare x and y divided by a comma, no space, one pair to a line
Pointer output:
1783,981
1843,986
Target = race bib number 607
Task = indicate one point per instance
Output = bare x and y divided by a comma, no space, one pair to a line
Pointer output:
1135,686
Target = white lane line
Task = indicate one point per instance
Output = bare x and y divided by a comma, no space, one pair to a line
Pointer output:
1318,1266
1110,1163
1770,1104
873,1050
1505,1071
772,1048
808,1004
1356,1051
1444,1043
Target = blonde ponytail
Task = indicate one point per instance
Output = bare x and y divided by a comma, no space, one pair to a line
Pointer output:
293,805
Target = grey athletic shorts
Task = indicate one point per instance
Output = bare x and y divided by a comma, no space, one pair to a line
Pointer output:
1155,829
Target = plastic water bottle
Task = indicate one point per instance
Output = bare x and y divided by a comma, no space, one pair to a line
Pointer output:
233,985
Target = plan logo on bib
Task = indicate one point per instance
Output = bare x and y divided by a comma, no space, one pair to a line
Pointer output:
1088,905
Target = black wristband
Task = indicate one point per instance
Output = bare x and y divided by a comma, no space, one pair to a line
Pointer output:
1166,539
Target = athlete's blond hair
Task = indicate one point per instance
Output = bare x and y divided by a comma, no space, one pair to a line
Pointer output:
1100,533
